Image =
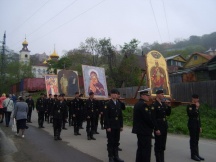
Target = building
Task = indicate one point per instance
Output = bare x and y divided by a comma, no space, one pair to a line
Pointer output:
25,53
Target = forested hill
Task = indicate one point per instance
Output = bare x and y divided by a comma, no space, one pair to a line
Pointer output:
184,46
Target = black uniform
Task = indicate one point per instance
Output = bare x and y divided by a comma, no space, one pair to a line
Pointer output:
194,125
97,113
77,110
70,110
160,111
101,108
49,102
91,106
65,120
31,105
113,119
41,108
143,126
59,113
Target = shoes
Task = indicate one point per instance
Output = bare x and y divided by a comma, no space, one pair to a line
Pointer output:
201,158
59,138
42,127
119,149
16,134
195,158
30,122
81,128
93,138
97,133
55,138
88,138
23,136
7,126
64,128
75,134
78,133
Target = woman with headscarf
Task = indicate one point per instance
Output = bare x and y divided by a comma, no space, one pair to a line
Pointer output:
20,114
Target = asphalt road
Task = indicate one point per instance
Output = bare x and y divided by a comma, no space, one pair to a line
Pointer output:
39,146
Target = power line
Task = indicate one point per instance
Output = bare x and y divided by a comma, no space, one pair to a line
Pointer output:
49,20
70,20
166,20
30,16
156,21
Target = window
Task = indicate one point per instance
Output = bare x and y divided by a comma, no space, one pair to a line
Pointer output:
195,57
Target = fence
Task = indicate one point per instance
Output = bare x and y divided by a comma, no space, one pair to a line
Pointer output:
183,91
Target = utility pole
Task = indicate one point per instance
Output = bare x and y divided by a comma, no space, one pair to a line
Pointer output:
3,61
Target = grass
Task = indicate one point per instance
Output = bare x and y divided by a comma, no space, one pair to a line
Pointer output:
178,119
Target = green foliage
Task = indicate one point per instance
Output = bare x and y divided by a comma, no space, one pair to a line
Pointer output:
178,119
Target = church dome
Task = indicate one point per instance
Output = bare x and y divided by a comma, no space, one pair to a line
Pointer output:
25,42
45,62
54,55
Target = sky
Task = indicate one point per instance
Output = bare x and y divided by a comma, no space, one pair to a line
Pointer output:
66,23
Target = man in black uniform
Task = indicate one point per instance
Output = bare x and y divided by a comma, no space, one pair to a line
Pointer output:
76,113
101,108
49,102
64,120
91,105
41,109
160,111
59,113
31,105
194,126
143,126
114,124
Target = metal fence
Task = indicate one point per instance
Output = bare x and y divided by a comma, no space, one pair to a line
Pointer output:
183,91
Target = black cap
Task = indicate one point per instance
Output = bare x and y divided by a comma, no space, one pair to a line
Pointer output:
145,92
91,93
114,91
76,93
159,91
50,94
195,96
55,95
62,95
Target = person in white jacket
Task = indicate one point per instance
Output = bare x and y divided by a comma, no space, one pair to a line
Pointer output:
8,103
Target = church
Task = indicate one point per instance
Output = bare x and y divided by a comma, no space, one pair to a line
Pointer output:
40,69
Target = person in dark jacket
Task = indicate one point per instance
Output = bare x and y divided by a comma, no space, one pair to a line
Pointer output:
41,109
90,107
31,106
114,125
49,103
194,126
161,111
143,127
76,113
59,113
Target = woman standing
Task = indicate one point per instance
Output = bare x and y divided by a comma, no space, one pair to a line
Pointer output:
20,114
2,98
8,103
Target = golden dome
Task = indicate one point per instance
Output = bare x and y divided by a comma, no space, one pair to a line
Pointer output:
25,42
49,58
45,62
54,55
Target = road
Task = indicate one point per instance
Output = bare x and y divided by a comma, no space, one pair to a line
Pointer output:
38,145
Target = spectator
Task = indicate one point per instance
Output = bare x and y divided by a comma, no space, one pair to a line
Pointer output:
2,98
8,103
20,114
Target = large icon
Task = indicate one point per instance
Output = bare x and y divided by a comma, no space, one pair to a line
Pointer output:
157,74
68,82
94,81
51,82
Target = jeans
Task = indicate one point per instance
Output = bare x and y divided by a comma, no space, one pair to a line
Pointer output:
7,117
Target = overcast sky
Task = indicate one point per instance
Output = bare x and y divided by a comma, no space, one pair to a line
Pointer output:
67,23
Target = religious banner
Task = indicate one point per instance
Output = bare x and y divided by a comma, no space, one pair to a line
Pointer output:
157,74
68,82
94,81
51,83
